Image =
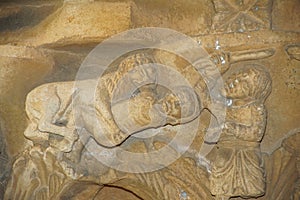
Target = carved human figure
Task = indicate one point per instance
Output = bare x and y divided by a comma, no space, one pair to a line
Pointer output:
237,168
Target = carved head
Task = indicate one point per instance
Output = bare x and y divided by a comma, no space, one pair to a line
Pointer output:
131,73
140,68
248,82
142,75
182,106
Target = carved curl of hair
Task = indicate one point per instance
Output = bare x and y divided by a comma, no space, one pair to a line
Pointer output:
262,81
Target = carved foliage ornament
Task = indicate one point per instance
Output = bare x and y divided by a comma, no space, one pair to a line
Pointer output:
241,15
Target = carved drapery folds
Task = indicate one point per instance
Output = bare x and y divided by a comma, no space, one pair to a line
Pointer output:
282,168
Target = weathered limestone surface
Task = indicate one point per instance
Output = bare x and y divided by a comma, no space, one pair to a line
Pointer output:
285,15
13,15
237,168
21,69
177,15
241,16
53,150
4,165
77,23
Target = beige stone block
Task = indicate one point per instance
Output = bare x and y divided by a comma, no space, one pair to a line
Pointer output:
286,15
78,23
189,17
261,74
21,68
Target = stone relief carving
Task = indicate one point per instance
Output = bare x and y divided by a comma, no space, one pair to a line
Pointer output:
224,59
237,168
57,162
241,15
50,116
53,130
291,145
55,134
49,108
36,175
293,51
282,168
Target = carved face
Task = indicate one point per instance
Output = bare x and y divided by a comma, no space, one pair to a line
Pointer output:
182,107
140,106
249,82
142,75
241,84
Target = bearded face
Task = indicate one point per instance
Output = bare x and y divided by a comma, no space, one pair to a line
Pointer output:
244,84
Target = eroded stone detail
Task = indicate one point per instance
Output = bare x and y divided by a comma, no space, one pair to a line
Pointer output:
291,145
53,130
237,168
293,51
284,17
52,124
283,169
241,15
50,110
36,175
57,165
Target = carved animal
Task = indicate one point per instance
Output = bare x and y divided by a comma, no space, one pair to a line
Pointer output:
57,111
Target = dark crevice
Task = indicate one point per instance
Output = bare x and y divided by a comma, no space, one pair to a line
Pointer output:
4,165
121,188
16,16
